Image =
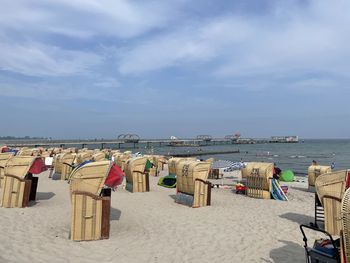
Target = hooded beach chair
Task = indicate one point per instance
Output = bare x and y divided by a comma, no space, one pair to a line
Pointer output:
137,177
67,164
98,156
83,156
330,189
313,172
191,179
258,178
120,159
90,186
57,164
3,160
19,184
158,162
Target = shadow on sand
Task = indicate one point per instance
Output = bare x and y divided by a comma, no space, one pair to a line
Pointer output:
301,189
115,213
44,195
290,252
298,218
183,199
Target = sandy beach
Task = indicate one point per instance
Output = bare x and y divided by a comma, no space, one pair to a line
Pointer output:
151,227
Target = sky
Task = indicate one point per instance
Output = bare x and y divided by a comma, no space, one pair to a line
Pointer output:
100,68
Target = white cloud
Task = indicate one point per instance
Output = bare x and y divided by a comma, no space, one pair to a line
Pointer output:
310,37
86,18
202,43
36,59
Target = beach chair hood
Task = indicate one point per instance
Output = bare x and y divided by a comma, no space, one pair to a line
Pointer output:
92,177
20,166
187,172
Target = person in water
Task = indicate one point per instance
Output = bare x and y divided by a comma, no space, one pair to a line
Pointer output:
333,165
276,172
314,162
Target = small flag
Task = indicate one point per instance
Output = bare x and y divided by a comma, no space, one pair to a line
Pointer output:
148,165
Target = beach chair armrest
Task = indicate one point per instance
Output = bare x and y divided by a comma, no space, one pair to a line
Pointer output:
70,165
139,172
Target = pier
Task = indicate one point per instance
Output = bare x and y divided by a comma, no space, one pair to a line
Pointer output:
145,143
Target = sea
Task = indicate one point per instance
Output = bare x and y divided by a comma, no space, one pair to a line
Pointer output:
294,156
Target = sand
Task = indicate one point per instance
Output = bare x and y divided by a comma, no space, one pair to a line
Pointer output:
151,227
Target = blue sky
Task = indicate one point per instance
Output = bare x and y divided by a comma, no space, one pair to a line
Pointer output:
99,68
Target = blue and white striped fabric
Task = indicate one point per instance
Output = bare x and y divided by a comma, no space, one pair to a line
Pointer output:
228,166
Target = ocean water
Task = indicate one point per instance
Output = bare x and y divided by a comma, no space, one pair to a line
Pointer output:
294,156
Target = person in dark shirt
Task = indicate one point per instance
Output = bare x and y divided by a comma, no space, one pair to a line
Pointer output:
276,172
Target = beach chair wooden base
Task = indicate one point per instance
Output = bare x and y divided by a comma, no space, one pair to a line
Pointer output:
256,187
140,182
332,210
15,192
90,217
66,170
201,196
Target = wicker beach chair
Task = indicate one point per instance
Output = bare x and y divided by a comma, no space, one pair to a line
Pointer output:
191,179
67,165
158,162
98,156
314,171
330,189
19,184
91,199
137,178
83,156
3,160
122,158
258,179
57,164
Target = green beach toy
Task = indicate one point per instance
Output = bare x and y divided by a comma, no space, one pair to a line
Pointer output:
287,176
